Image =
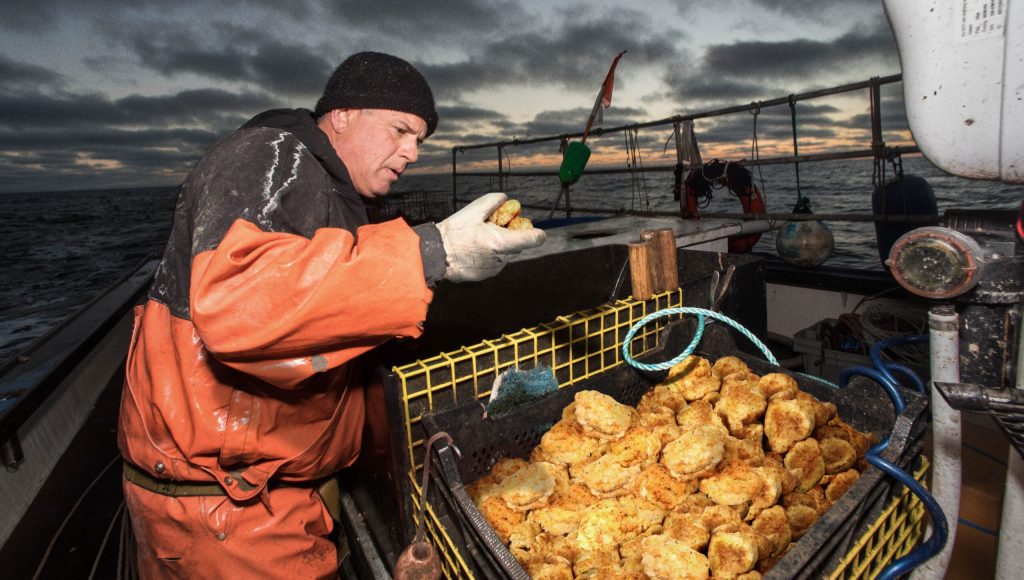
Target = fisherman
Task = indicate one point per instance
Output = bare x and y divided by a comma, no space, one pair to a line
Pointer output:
248,368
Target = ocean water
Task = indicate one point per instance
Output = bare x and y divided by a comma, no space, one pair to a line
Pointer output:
59,250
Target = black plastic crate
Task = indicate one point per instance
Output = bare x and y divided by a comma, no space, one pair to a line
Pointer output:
415,207
482,442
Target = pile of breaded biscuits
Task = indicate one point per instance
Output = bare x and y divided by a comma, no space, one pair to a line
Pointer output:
715,473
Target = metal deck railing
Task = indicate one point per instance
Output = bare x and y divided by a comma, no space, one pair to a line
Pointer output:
876,148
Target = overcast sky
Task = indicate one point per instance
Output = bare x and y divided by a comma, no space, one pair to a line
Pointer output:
123,93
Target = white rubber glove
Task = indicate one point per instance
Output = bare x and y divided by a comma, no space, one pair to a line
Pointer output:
477,249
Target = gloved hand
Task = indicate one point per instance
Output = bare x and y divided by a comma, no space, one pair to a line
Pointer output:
477,249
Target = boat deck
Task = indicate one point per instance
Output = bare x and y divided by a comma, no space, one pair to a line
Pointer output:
84,524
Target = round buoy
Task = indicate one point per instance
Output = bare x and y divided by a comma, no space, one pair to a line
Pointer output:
805,244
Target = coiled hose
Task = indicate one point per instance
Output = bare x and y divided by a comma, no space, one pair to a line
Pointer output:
882,374
886,367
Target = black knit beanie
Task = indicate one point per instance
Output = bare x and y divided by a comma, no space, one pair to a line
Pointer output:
373,80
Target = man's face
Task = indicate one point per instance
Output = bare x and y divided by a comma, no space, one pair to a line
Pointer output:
376,145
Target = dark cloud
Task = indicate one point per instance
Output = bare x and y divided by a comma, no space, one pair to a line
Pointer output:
753,70
19,76
817,9
894,115
575,57
818,124
29,15
460,113
83,169
203,107
800,58
704,91
574,121
106,141
67,138
734,129
150,154
458,121
425,21
200,107
235,54
39,110
44,15
242,57
553,122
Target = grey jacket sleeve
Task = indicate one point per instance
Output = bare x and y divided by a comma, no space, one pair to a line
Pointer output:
432,251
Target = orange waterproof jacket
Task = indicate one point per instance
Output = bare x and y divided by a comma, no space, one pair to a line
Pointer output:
244,361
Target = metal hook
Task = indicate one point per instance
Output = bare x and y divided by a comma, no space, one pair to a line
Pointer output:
713,288
419,560
426,477
717,304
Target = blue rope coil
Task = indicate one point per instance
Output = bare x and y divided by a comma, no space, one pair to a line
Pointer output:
701,313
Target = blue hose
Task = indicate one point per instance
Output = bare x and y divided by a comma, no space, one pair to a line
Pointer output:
940,530
909,373
886,367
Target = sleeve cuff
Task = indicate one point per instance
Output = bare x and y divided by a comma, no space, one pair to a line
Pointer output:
432,252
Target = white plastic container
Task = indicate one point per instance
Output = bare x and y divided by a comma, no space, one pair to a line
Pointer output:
963,83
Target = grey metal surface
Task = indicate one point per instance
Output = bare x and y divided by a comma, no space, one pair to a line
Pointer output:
626,229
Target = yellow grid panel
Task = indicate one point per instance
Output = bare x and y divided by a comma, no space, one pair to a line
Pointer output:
576,347
897,530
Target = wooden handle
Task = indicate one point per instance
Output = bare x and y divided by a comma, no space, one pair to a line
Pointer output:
666,275
667,254
641,270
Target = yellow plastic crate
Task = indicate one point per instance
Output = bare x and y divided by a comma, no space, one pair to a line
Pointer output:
579,346
576,347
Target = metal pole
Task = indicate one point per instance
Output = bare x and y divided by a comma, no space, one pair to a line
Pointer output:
1010,561
944,344
796,154
877,144
811,157
677,132
501,176
455,188
677,182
